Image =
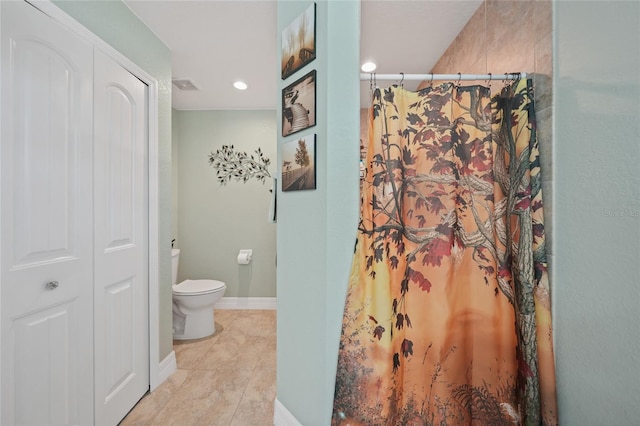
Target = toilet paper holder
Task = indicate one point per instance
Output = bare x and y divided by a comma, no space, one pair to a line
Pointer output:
244,257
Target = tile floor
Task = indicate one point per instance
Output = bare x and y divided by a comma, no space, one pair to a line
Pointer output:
226,379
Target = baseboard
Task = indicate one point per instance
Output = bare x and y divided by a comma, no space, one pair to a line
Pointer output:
166,368
246,303
282,416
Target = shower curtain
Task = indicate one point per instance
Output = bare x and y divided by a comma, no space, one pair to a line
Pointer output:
447,318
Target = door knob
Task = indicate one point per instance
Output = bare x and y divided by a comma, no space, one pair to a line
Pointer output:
51,285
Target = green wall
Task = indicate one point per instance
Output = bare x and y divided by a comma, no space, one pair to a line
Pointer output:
317,228
114,23
597,211
214,221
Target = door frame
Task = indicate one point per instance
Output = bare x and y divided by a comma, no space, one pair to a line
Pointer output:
159,370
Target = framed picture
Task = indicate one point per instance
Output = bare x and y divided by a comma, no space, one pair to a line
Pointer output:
299,164
299,105
299,42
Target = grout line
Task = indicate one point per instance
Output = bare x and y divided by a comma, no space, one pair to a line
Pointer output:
230,321
253,375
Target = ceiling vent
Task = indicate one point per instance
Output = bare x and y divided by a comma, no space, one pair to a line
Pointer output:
184,84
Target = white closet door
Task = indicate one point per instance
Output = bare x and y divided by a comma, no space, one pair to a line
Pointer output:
121,229
46,201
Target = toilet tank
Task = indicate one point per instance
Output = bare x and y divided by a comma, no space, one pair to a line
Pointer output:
175,257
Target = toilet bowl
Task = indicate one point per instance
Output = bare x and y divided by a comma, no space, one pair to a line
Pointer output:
193,302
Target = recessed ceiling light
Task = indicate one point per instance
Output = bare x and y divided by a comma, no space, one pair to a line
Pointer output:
240,85
368,67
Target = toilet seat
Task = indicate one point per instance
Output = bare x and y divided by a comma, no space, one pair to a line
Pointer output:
197,287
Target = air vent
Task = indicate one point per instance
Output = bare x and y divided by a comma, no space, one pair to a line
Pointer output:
184,84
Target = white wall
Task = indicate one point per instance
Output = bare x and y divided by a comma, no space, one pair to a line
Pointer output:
214,221
597,211
317,228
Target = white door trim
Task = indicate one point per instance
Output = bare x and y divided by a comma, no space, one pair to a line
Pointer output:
156,377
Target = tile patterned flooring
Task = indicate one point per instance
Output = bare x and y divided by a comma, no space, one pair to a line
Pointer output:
226,379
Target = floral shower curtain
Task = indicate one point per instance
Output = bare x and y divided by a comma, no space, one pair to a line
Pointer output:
447,319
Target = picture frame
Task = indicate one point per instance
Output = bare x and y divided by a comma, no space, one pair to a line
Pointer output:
299,105
299,164
298,42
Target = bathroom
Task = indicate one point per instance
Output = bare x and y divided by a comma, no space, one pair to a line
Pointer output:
234,212
595,98
305,263
531,49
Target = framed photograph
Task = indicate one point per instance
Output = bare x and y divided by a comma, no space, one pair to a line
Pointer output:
299,105
299,164
299,42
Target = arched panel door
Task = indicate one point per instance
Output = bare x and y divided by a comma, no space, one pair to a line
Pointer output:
46,285
121,236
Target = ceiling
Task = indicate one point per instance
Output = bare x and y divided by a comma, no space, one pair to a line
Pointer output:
217,42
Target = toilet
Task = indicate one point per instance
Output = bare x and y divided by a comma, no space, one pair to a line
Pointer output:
193,302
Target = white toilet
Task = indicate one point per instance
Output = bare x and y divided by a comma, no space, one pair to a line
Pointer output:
193,302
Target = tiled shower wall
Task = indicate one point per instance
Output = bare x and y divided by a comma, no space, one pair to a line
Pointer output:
513,36
501,37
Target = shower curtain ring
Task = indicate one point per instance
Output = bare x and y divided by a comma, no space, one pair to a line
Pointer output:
402,80
459,78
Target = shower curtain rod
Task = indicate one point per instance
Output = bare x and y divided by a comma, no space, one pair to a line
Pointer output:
452,77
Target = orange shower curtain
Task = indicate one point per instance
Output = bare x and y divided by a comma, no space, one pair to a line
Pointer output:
447,319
